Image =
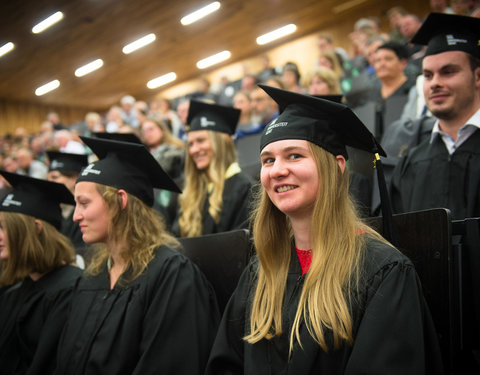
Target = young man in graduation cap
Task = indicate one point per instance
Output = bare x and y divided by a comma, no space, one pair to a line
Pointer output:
444,170
64,168
216,197
37,274
325,294
141,307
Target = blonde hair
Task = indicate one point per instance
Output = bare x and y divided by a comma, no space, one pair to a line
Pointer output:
328,76
167,137
195,193
334,274
332,57
32,248
137,227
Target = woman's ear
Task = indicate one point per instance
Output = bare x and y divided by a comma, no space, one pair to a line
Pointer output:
341,162
124,197
39,225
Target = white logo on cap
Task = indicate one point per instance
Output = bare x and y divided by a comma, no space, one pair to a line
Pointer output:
89,169
452,41
56,164
8,201
204,122
274,125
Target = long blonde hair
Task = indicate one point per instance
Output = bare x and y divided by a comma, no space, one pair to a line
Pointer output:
337,251
137,227
32,248
195,193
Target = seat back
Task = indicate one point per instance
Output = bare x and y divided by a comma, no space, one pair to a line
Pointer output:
221,257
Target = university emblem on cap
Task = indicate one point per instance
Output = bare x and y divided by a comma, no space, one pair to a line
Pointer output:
205,122
9,201
56,164
89,169
452,41
274,125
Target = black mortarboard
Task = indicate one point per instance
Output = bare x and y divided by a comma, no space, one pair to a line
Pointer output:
122,137
330,125
127,166
325,123
34,197
204,116
66,162
449,32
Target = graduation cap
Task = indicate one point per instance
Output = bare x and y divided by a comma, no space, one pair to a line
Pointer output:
34,197
123,137
325,123
127,166
219,118
330,125
332,98
449,32
66,162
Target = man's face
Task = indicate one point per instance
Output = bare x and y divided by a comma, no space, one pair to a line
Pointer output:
450,87
261,104
409,26
387,65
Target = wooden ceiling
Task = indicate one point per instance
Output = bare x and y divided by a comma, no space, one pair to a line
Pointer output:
94,29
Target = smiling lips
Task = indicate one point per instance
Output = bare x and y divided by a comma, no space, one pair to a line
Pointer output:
284,188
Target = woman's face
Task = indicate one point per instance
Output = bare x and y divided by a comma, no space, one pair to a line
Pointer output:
318,87
200,148
91,213
290,176
152,134
3,241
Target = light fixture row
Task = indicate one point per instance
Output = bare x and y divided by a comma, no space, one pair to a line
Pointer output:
145,40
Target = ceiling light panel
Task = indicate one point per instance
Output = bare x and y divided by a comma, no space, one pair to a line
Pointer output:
215,59
200,13
276,34
47,22
6,48
88,68
162,80
139,43
47,87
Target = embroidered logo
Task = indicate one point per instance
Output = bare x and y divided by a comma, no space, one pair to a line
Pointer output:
274,125
89,169
56,164
8,201
452,41
204,122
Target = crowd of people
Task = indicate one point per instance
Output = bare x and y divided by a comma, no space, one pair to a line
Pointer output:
324,291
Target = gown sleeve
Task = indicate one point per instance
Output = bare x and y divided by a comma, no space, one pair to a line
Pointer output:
227,353
395,334
180,321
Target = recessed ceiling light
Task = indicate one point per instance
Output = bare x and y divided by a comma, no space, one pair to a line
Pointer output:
88,68
47,87
212,60
6,48
200,13
162,80
276,34
47,22
139,43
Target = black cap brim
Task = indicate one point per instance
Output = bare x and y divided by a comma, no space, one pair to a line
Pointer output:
122,137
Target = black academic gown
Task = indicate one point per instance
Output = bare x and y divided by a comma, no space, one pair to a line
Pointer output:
163,322
237,202
393,331
32,314
429,177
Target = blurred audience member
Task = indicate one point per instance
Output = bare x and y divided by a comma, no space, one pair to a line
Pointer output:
65,143
114,119
322,81
291,77
54,118
395,16
242,101
27,165
129,113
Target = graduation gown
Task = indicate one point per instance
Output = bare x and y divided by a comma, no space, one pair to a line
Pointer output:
393,331
163,322
236,207
429,177
32,314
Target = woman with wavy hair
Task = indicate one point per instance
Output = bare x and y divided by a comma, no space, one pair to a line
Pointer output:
141,307
217,193
325,294
37,274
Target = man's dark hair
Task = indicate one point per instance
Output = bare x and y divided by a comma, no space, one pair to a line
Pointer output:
474,62
399,49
